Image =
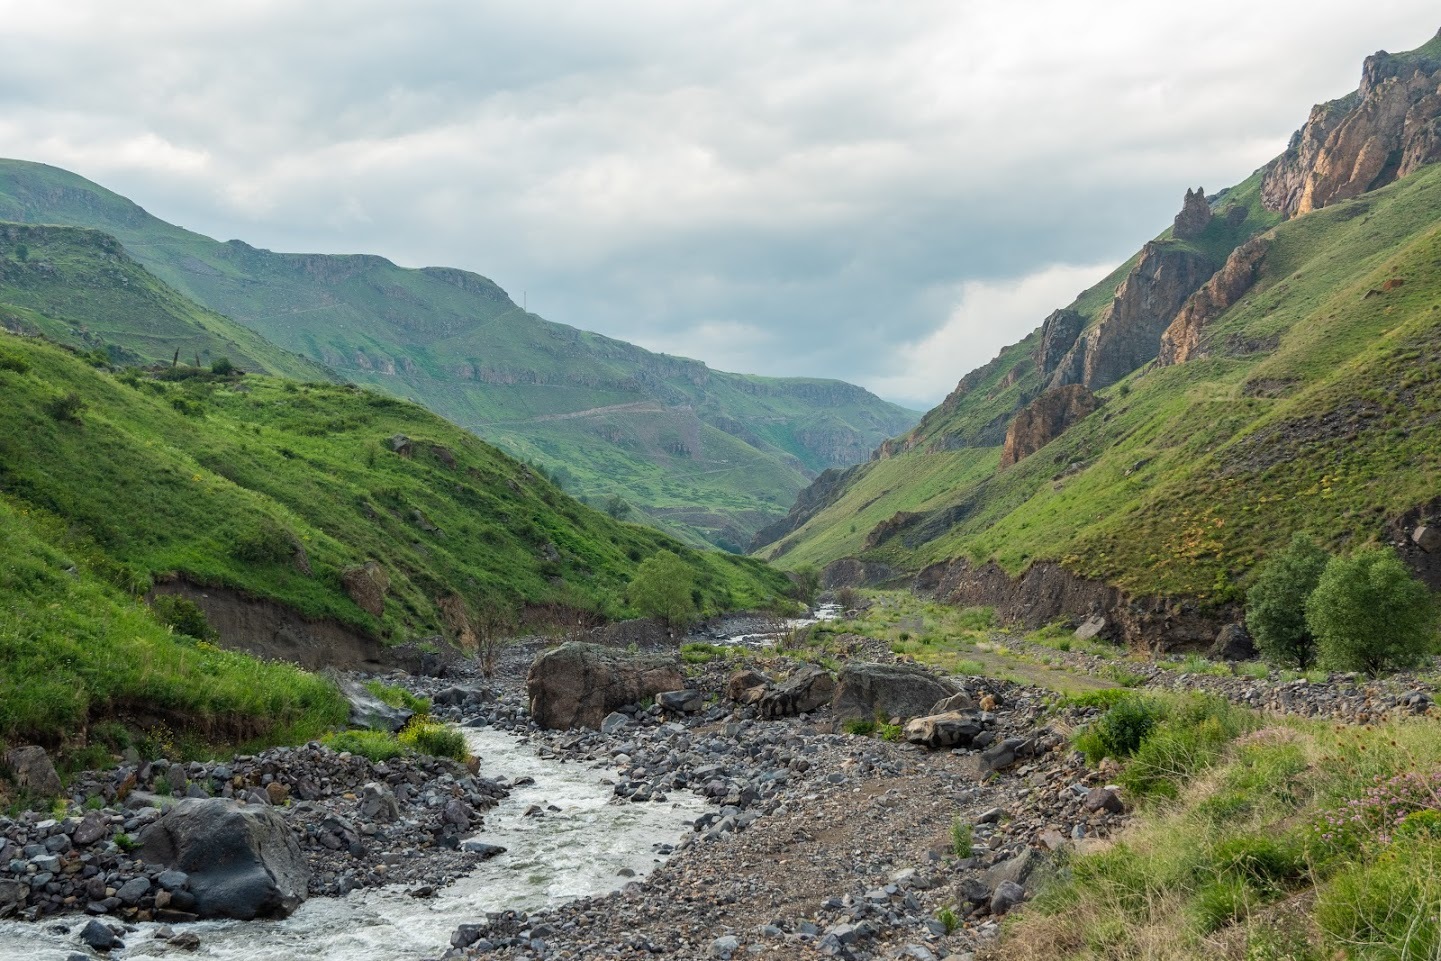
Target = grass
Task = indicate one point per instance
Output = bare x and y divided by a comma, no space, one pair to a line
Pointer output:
962,845
1298,816
424,736
398,697
707,455
1313,415
702,652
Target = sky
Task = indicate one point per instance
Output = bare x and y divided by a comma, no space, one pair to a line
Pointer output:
886,193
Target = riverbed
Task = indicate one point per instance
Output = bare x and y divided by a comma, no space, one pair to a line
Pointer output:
588,846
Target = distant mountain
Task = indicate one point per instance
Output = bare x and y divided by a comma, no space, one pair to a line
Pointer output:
1266,365
711,456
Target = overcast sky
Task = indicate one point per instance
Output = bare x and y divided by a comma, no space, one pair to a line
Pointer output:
885,192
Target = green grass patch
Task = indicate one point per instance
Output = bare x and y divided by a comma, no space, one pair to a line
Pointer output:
398,697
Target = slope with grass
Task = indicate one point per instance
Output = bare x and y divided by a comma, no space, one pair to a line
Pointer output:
710,455
1307,407
262,491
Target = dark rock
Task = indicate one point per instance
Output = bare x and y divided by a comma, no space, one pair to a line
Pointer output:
94,826
681,702
1008,894
1233,643
1058,334
578,684
97,934
806,690
1427,538
31,768
868,691
952,729
367,585
1103,799
369,711
740,685
1195,216
243,862
1046,418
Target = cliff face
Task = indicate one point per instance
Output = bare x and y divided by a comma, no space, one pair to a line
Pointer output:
1128,332
1058,335
1045,419
1195,216
1379,134
1182,340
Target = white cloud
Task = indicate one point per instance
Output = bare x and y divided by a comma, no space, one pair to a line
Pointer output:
987,316
828,174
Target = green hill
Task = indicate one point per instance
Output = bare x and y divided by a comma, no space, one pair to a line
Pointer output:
1292,388
709,455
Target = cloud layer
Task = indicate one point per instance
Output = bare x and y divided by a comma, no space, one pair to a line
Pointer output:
880,192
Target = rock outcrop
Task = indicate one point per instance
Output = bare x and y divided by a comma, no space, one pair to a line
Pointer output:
868,691
1195,216
1128,332
1045,419
1366,140
1058,335
367,584
242,861
807,689
578,684
33,772
1183,339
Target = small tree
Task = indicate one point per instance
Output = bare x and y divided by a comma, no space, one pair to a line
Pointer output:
1276,604
662,588
66,408
494,627
221,366
805,583
1369,614
616,507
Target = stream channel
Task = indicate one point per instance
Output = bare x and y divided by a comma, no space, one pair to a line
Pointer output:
549,860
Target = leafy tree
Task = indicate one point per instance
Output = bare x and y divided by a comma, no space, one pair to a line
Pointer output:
805,583
1369,614
616,507
1276,604
222,367
662,588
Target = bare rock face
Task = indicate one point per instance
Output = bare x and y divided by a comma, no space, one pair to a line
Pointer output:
1384,131
1058,335
33,771
1127,335
804,691
1195,216
1045,419
1183,339
367,585
868,691
578,684
243,860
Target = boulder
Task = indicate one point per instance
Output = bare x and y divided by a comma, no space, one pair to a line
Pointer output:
807,689
960,701
1092,628
868,691
578,684
1008,895
1103,799
243,861
1233,643
951,729
93,827
682,702
741,683
31,768
1427,538
97,934
369,711
367,585
377,803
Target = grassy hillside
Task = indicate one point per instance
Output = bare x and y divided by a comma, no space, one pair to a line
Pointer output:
80,287
711,455
277,489
1315,412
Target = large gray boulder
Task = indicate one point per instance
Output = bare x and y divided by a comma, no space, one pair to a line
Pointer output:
870,691
806,689
243,862
33,772
951,729
369,711
578,684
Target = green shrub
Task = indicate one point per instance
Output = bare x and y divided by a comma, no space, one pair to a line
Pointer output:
1119,732
222,367
1192,737
375,745
950,921
859,726
962,844
1276,604
431,737
265,543
183,616
12,362
662,589
1221,902
65,408
889,732
1388,908
1369,614
398,697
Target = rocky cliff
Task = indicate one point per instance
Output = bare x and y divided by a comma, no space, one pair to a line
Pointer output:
1128,332
1384,131
1058,335
1195,216
1045,419
1183,339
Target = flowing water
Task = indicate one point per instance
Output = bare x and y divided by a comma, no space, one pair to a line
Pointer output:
825,612
561,856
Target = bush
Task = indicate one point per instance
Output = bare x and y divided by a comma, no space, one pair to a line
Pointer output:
431,737
662,588
65,408
1120,731
376,745
12,362
1276,604
962,845
183,616
1192,737
266,543
1369,614
222,367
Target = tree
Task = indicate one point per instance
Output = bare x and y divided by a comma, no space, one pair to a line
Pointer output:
616,507
222,367
1369,614
494,628
662,588
805,583
1276,604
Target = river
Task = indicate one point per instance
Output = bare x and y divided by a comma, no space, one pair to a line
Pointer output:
579,851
